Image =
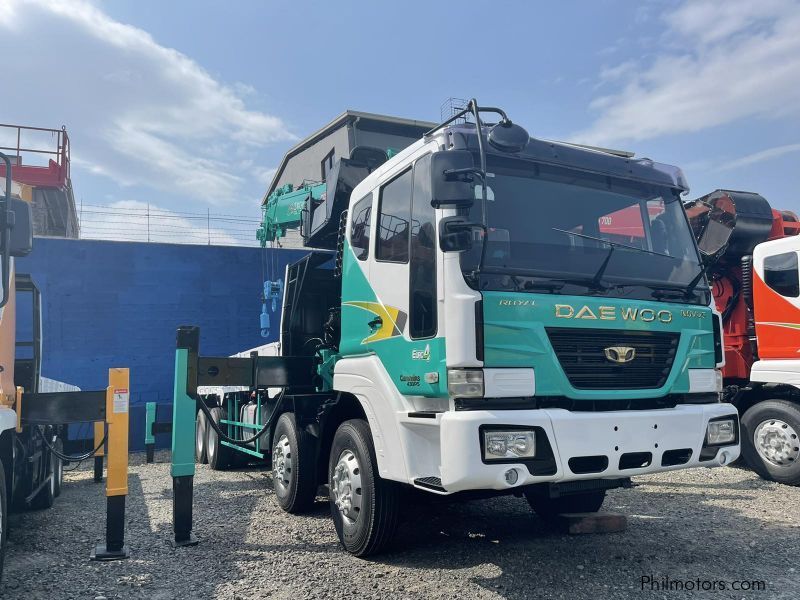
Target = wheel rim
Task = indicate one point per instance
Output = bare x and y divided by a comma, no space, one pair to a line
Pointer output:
212,444
346,486
198,438
282,462
777,443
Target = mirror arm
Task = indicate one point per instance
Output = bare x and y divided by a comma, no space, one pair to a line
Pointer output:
456,173
5,237
484,221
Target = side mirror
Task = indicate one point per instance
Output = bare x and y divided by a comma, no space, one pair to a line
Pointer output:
20,241
455,234
452,175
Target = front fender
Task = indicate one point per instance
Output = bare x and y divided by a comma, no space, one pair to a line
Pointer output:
8,418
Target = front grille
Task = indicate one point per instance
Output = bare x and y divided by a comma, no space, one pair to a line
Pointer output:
581,353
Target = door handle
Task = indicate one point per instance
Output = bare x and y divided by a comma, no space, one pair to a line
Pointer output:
375,323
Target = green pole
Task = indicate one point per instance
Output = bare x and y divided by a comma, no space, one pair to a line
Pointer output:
183,432
149,438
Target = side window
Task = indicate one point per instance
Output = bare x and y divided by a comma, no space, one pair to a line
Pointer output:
327,164
359,234
422,268
781,274
394,216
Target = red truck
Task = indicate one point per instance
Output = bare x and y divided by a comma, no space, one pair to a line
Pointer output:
752,253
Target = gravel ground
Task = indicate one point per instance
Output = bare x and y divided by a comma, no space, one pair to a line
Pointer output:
721,525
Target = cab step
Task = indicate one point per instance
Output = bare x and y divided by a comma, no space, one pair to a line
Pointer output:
430,483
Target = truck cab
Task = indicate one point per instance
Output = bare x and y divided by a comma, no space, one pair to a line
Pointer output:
551,327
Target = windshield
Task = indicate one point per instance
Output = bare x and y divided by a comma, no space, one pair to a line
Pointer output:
550,227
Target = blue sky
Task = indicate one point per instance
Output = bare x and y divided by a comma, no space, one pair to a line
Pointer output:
188,105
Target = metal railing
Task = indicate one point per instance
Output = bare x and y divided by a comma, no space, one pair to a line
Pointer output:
58,152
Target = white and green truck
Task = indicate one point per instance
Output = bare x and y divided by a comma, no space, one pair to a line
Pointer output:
494,313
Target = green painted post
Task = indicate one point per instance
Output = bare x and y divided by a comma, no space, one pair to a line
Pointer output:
149,438
183,432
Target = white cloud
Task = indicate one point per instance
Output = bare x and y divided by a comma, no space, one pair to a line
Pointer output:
761,156
265,174
137,111
722,61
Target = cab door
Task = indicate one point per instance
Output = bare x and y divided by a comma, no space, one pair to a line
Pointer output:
776,298
400,311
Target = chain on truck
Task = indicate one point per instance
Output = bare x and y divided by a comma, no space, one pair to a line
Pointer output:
484,313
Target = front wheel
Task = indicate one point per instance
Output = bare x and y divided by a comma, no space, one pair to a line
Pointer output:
770,443
549,508
364,507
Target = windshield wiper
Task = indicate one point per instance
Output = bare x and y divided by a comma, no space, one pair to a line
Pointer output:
610,243
552,284
597,280
697,279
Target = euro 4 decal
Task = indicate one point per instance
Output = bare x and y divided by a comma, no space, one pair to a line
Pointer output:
421,354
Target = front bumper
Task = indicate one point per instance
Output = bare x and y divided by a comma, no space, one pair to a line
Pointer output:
582,445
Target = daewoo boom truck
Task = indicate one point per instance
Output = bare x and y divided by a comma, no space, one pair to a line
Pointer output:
753,251
485,313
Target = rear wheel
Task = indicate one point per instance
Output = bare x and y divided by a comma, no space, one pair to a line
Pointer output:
770,444
219,456
46,496
549,508
3,517
201,438
364,507
293,472
59,467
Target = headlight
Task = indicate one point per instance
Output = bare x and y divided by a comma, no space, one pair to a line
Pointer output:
705,381
511,444
721,432
465,383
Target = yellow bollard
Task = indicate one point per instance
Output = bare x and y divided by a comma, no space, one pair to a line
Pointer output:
117,405
99,434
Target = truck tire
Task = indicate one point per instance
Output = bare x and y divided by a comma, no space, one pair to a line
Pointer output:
770,444
549,508
3,517
46,496
58,470
201,438
219,456
293,470
364,507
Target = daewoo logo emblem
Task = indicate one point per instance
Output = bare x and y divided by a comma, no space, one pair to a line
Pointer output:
620,354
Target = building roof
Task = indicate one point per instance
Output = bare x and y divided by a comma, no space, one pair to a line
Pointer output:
343,119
